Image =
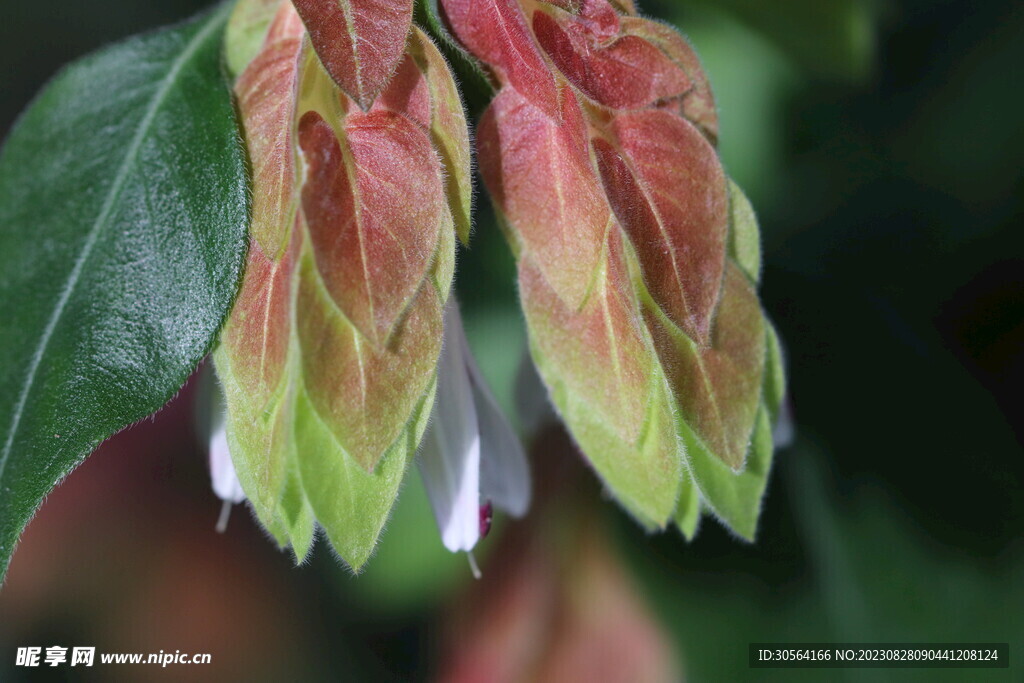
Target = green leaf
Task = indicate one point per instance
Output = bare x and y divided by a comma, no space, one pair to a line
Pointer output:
123,211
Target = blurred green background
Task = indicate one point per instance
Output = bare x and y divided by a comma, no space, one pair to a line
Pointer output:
881,142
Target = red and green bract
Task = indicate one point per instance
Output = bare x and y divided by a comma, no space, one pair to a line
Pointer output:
638,258
360,42
329,357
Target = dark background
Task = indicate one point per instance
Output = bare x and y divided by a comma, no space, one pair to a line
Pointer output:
882,145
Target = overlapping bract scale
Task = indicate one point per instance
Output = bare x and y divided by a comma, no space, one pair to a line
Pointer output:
638,257
266,98
697,104
540,174
668,189
359,42
619,71
374,209
329,357
600,366
497,33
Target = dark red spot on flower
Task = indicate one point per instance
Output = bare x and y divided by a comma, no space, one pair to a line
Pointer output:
486,516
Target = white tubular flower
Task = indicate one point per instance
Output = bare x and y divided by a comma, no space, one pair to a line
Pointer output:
470,457
222,474
222,471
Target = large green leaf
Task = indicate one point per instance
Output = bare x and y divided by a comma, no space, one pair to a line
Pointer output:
123,215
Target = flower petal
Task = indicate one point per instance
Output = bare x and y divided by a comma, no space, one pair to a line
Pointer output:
222,471
449,459
504,471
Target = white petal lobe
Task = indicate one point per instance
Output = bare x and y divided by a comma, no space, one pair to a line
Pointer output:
504,471
222,471
449,461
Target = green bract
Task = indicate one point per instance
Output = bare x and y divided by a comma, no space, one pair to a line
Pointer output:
122,229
